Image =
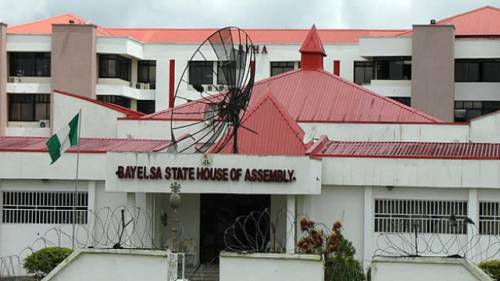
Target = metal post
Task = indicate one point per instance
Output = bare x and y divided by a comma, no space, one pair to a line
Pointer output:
76,180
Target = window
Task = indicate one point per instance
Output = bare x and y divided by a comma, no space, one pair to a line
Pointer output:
393,68
404,100
489,218
201,72
279,67
29,64
29,107
147,73
466,110
44,207
363,72
477,70
425,216
226,73
118,100
146,106
114,66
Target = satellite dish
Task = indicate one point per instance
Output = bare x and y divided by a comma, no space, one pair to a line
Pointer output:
217,96
309,136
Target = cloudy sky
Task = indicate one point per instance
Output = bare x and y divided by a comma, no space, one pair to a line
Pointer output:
242,13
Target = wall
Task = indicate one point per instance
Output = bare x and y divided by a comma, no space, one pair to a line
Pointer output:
97,121
486,128
389,132
336,203
268,267
425,268
113,265
74,59
433,70
3,78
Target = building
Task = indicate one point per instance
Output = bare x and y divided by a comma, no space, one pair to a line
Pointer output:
372,162
139,68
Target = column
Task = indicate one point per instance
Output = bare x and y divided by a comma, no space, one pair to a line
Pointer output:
91,207
473,214
291,228
3,79
368,226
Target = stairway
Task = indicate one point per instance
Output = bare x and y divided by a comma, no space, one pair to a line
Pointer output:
204,273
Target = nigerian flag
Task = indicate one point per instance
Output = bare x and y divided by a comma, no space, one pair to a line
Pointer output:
64,139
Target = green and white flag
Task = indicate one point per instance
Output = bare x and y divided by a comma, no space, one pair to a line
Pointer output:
64,139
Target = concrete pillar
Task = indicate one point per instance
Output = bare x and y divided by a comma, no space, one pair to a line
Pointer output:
92,212
368,226
3,79
291,227
74,59
433,70
473,214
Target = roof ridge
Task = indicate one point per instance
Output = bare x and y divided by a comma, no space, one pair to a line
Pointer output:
430,118
49,18
469,12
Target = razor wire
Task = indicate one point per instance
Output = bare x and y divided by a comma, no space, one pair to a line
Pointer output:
117,227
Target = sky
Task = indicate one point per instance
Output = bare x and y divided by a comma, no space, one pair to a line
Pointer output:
386,14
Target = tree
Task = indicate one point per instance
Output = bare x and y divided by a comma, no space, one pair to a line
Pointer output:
338,252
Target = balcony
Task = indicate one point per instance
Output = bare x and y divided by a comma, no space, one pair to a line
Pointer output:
119,87
390,88
22,84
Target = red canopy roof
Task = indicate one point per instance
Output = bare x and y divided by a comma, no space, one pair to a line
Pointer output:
433,150
276,133
87,145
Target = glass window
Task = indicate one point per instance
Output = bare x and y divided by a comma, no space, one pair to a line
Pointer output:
393,68
279,67
363,72
147,72
29,107
226,73
29,64
118,100
146,106
466,110
115,66
404,100
201,72
477,70
43,207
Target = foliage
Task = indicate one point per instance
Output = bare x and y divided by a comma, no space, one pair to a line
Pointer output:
492,267
337,251
43,261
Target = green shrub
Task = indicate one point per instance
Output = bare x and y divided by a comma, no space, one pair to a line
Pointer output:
43,261
492,268
338,252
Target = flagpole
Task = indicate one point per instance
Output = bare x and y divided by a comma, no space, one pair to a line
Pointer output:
76,178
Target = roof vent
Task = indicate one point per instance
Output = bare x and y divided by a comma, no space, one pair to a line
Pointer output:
433,21
71,22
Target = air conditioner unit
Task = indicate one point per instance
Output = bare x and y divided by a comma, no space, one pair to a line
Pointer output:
221,88
146,86
210,88
43,123
142,86
131,84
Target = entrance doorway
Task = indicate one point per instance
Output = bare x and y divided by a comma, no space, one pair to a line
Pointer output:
217,213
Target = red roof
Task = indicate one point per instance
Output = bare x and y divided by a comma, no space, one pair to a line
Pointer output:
197,35
312,43
127,111
478,22
88,145
276,133
471,151
44,26
319,96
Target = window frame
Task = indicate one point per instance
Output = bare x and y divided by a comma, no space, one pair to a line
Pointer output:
38,62
122,67
31,101
207,78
